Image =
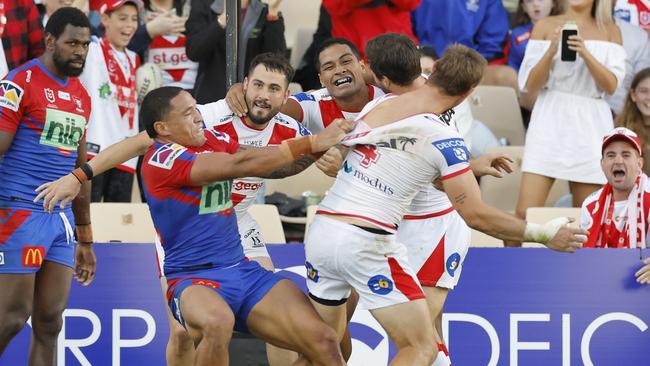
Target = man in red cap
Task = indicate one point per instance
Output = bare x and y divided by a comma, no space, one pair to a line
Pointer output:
617,214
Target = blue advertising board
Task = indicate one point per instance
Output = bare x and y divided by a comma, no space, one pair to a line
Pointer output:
512,307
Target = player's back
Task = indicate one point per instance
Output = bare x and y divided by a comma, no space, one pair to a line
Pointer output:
48,118
197,226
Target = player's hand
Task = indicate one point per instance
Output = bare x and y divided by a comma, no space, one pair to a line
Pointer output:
643,275
85,264
332,134
236,101
494,164
64,189
330,162
568,239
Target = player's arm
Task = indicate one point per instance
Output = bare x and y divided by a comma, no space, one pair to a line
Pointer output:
330,162
85,262
67,187
465,196
261,162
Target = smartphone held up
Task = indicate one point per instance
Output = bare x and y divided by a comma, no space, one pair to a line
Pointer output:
569,29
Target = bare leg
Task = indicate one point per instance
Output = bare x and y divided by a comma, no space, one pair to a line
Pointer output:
409,325
436,297
532,193
15,305
346,342
285,318
580,191
209,322
180,348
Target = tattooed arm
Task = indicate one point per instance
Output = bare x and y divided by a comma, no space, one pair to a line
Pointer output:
292,169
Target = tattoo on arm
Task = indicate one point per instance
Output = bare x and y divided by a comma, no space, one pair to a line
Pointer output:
293,169
460,199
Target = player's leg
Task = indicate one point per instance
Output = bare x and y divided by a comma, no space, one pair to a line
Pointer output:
346,342
436,297
180,348
209,322
532,193
285,318
51,292
15,304
580,192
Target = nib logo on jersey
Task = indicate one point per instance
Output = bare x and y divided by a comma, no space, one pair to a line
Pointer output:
62,130
372,182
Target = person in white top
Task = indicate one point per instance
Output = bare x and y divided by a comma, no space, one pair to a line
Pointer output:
109,77
617,215
570,114
351,243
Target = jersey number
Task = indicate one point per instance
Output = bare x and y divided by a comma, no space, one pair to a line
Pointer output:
216,197
369,154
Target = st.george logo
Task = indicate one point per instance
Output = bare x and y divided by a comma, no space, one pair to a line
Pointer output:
62,130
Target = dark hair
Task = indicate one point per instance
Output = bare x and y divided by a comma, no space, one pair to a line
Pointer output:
155,106
64,16
521,17
631,116
332,42
428,51
273,62
458,71
394,56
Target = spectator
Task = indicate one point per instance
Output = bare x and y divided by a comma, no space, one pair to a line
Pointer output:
261,30
636,113
22,36
635,12
637,50
428,57
616,214
360,20
570,115
528,13
157,19
53,5
109,77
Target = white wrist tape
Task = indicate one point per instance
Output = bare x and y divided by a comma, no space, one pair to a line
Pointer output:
544,233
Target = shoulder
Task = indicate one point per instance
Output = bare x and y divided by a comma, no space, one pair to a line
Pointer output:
614,33
313,96
590,201
13,86
376,92
216,113
291,126
218,141
165,156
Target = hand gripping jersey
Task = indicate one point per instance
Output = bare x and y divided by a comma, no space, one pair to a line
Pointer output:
388,165
319,109
219,117
48,118
197,226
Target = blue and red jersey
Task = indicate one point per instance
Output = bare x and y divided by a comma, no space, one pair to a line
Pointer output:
519,37
48,118
197,225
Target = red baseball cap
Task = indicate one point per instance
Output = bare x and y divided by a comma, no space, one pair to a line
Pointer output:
110,5
622,133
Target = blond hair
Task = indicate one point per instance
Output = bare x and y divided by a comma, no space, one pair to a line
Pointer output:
601,10
458,70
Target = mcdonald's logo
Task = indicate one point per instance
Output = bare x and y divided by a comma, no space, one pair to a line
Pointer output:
33,256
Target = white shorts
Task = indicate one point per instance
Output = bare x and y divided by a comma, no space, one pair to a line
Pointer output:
341,256
437,247
251,237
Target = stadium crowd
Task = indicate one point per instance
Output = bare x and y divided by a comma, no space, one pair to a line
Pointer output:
142,65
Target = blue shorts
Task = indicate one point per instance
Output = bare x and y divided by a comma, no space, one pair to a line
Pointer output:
241,287
27,238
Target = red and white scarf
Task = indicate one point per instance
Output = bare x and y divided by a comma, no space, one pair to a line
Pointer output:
125,86
634,231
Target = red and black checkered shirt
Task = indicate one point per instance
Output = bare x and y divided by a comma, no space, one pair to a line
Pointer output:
23,35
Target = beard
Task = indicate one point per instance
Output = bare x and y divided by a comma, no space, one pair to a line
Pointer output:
260,119
65,67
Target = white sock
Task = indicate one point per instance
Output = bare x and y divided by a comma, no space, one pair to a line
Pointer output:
442,359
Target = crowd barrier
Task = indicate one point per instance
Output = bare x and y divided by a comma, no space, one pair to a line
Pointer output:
512,307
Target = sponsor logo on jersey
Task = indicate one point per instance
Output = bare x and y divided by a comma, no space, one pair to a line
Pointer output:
255,238
78,104
447,116
398,143
64,95
2,258
10,95
454,150
216,197
372,182
453,262
303,97
369,154
49,95
355,135
245,186
33,256
312,273
62,130
207,283
644,18
165,156
380,285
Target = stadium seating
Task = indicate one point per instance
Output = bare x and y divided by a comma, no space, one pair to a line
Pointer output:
122,222
311,179
481,240
498,108
502,192
268,218
301,20
540,215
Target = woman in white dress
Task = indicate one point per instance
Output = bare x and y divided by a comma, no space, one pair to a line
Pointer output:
570,116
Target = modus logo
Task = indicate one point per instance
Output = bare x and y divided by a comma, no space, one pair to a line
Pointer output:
375,183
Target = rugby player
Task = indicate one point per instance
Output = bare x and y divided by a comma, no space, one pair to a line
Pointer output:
44,112
352,243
